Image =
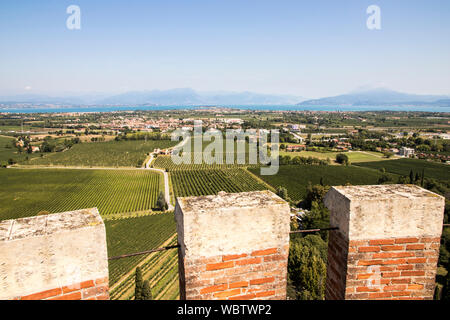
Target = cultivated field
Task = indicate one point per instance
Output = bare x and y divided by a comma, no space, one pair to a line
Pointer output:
297,177
354,156
103,154
139,234
26,192
210,181
404,166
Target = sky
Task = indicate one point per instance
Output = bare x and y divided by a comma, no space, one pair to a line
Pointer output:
305,48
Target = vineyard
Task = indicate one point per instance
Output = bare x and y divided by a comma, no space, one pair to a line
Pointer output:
402,167
296,178
103,154
210,181
160,268
26,192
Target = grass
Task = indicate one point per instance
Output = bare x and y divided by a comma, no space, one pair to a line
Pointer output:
354,156
26,192
296,178
103,154
404,166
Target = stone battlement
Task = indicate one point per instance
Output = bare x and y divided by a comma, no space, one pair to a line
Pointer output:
60,255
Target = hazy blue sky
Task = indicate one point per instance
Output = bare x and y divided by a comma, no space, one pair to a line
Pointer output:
307,48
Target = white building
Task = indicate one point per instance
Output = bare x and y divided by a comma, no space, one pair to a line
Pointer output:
406,152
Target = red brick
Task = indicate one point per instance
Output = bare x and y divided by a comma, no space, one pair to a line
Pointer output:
216,288
415,287
264,252
415,247
220,265
401,293
395,288
369,249
265,294
240,284
401,281
376,295
70,296
391,248
369,262
406,240
226,294
405,267
275,257
243,297
390,274
43,294
381,242
233,257
262,280
412,273
367,289
384,255
248,261
103,297
396,261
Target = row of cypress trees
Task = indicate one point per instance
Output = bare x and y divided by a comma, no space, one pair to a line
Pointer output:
142,290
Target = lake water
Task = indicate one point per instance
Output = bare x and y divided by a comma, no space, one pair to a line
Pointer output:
253,107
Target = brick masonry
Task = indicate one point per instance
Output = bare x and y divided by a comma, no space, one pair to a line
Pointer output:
233,246
260,274
393,269
387,244
87,290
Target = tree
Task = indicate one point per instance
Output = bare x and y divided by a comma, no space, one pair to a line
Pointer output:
282,193
307,272
138,284
146,291
411,177
161,203
342,158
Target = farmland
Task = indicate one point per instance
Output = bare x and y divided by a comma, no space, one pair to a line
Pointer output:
354,156
206,182
296,178
103,154
26,192
404,166
160,268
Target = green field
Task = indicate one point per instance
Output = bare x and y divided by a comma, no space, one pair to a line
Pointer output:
354,156
207,182
133,235
297,177
26,192
404,166
103,154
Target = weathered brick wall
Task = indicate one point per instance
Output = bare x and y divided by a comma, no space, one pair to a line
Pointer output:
259,274
87,290
401,268
233,246
387,245
59,256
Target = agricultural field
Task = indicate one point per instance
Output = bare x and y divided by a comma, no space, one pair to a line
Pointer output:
403,167
26,192
297,177
210,181
354,156
197,159
139,234
103,154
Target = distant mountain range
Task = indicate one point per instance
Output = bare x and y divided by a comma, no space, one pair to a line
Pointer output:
160,98
189,97
379,97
